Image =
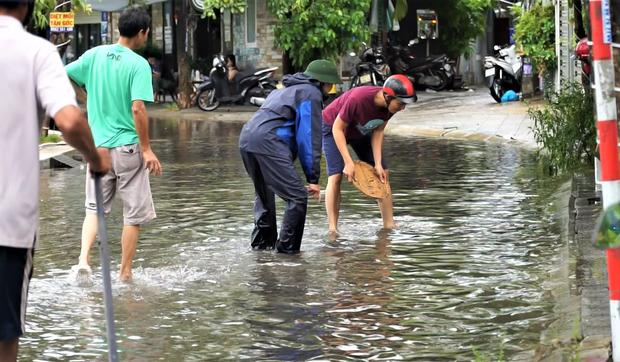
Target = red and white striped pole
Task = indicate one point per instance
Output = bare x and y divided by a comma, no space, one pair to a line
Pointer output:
607,123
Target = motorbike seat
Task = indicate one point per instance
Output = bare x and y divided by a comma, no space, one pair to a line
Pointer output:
439,57
414,63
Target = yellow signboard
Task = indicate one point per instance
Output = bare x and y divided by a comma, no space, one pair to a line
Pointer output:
62,22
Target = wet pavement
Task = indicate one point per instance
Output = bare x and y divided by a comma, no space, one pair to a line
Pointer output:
461,114
472,115
468,266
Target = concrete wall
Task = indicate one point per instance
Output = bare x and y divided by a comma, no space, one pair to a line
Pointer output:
263,54
115,34
157,25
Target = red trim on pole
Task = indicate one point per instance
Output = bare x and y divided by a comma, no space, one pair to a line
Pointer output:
600,50
613,272
610,162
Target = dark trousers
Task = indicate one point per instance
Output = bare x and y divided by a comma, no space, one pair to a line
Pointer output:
276,175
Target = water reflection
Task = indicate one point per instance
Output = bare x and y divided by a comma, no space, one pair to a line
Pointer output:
468,263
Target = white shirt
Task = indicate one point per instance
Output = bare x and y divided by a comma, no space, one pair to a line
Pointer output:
33,83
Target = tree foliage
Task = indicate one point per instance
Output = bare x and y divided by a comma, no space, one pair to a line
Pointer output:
43,8
461,22
235,6
566,128
314,29
400,10
535,31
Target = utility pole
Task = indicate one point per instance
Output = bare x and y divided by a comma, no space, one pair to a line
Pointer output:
607,124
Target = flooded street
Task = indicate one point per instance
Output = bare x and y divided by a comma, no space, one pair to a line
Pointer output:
467,266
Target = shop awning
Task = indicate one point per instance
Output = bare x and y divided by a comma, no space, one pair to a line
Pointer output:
114,5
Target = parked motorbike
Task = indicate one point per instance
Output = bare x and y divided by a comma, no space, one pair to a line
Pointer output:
253,86
373,68
582,53
435,72
503,72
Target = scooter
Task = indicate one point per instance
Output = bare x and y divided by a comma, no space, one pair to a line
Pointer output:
253,86
503,72
373,68
434,72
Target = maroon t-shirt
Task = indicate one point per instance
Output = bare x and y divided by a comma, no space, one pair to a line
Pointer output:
357,109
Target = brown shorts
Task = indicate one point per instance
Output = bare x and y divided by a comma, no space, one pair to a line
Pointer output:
128,173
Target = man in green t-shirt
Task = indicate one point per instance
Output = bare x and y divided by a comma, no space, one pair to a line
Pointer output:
118,82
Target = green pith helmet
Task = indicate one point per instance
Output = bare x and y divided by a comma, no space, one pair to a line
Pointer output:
324,71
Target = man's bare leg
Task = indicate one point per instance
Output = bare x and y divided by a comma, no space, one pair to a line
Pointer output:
89,233
332,201
130,243
8,350
387,210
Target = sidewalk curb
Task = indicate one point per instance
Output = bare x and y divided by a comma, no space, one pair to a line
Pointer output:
404,130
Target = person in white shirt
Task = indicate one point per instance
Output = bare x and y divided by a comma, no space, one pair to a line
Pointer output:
33,85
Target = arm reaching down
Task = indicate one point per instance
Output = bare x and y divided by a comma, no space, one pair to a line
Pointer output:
80,95
377,144
310,142
341,142
141,91
141,120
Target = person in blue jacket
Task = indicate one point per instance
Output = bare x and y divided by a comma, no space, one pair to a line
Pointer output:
286,126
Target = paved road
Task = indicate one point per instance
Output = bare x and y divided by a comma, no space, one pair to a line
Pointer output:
466,114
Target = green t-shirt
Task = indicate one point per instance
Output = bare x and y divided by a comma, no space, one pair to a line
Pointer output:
114,77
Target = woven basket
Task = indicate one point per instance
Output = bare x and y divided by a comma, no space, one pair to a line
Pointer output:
368,181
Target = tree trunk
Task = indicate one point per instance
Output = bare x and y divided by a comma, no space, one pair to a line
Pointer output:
57,39
580,30
185,85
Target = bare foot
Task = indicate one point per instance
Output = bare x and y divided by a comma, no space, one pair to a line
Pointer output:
125,277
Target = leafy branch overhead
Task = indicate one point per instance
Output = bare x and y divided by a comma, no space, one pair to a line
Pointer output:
461,22
43,8
535,31
235,6
313,29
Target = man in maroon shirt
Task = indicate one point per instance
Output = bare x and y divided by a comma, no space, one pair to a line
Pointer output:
358,118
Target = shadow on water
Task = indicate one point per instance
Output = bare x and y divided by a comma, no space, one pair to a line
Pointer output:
467,264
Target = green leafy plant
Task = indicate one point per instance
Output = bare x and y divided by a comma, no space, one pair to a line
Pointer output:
400,10
52,138
235,6
566,129
204,65
313,29
171,106
461,22
535,33
43,8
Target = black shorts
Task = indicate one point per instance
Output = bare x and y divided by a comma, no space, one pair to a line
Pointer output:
15,274
333,158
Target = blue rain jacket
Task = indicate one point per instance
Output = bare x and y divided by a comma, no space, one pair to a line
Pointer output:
289,124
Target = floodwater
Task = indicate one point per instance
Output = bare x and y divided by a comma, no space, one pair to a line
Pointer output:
468,266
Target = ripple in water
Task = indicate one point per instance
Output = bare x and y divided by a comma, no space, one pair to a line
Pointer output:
467,265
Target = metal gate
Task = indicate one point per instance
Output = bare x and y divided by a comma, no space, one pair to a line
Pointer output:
568,71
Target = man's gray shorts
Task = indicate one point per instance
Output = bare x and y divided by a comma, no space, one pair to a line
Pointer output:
128,173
